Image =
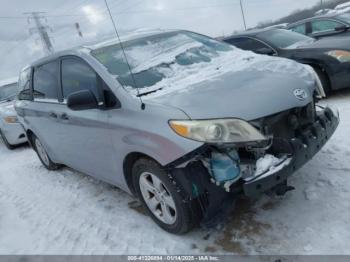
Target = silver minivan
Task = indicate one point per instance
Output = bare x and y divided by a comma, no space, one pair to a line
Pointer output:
184,122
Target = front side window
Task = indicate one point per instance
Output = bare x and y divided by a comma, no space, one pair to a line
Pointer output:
45,82
78,76
237,42
324,26
247,44
301,29
285,38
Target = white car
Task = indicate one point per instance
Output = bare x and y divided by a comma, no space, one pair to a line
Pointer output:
11,131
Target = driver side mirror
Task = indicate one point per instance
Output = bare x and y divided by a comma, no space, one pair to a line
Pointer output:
82,100
265,51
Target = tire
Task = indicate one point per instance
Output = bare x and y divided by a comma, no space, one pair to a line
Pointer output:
324,80
42,154
171,213
7,144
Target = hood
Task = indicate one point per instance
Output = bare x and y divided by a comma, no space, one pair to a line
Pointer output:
7,109
334,42
263,88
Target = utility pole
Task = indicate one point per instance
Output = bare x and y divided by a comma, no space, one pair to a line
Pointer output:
41,30
242,10
77,27
322,7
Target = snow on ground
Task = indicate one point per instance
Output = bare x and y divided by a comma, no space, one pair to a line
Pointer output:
65,212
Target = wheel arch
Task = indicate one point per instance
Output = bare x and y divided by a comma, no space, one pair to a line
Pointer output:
128,164
30,134
324,71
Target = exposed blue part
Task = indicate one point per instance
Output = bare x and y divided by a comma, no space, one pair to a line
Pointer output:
225,166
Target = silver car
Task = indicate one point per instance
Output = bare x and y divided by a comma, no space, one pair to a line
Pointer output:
182,121
11,131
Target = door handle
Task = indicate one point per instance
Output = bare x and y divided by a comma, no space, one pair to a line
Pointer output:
53,115
64,116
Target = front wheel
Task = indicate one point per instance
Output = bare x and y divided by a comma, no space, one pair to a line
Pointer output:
43,156
160,197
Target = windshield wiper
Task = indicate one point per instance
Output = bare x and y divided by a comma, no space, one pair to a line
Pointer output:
149,92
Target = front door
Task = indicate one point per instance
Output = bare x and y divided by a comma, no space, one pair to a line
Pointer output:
85,142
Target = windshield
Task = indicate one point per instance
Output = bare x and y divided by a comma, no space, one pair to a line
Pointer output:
8,92
155,58
345,17
284,38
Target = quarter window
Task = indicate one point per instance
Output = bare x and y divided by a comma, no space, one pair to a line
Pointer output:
78,76
324,25
45,82
24,85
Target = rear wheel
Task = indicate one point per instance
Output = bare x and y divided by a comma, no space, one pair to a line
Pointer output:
160,197
326,83
7,144
43,156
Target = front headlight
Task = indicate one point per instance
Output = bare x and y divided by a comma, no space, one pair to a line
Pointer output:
217,130
341,55
11,119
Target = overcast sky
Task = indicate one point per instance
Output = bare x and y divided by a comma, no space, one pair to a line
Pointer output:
211,17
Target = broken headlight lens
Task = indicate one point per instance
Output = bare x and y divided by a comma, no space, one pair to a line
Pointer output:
217,130
341,55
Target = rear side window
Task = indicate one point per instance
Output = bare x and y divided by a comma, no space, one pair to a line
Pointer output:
45,82
78,76
324,25
246,43
24,92
301,29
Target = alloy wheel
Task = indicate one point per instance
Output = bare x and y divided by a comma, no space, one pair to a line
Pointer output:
41,152
158,198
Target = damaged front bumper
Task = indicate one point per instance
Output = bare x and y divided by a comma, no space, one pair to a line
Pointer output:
302,149
292,154
197,180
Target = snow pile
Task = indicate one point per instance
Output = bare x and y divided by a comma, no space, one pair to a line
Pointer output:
265,163
325,12
144,57
179,77
339,9
268,165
